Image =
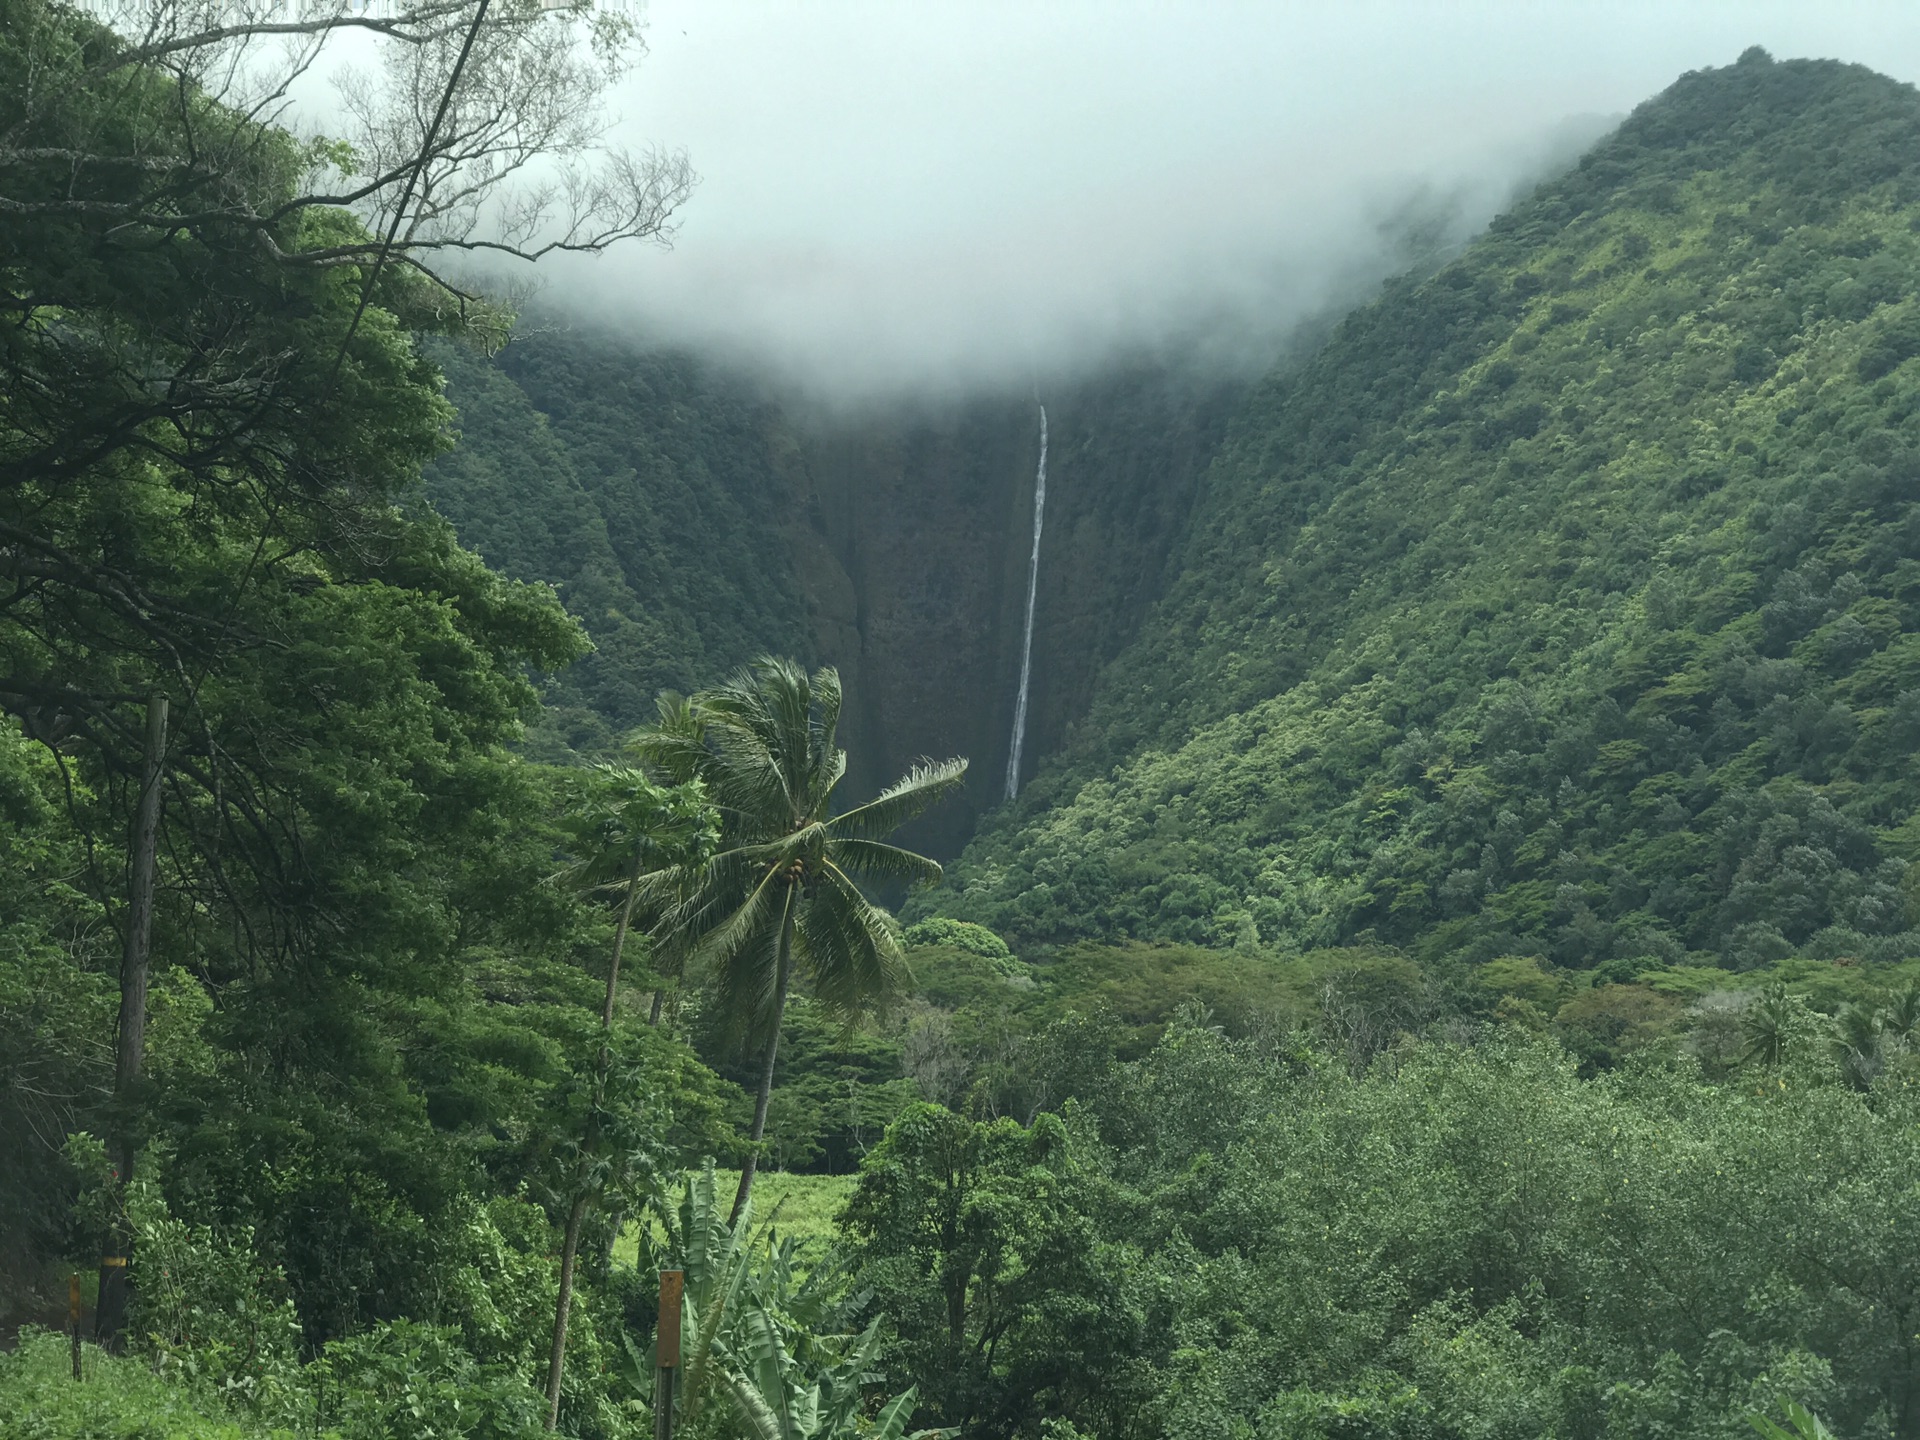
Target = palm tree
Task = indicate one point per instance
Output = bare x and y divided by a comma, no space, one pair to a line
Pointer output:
1768,1026
1901,1019
628,827
782,892
1859,1044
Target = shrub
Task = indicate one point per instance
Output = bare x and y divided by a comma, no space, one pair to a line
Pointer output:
959,935
120,1399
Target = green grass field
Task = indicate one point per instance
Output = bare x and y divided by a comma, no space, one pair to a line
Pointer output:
802,1206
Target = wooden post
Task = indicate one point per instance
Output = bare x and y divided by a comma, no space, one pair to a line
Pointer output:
73,1319
131,1053
666,1334
133,958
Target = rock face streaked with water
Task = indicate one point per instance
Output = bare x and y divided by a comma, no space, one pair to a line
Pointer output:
1026,636
693,521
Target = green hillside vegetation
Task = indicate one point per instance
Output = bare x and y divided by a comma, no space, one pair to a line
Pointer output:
1235,1239
1566,603
991,1036
639,486
1460,985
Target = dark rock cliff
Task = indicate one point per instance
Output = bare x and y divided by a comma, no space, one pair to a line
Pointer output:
927,522
904,537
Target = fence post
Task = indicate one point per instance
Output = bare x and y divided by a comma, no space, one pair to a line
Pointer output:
666,1335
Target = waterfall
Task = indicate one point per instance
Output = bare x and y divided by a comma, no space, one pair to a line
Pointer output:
1026,643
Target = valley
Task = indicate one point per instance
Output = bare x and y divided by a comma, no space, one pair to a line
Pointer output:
551,883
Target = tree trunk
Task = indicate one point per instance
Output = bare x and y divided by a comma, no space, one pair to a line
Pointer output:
620,943
557,1361
131,1051
752,1162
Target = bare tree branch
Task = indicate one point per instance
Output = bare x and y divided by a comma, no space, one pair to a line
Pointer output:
515,166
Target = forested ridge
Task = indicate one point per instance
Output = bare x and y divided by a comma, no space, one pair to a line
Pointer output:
1458,979
640,487
1563,604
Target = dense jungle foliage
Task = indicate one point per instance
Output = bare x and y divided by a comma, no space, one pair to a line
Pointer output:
639,487
1459,986
1564,603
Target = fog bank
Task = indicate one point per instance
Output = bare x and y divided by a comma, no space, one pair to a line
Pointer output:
902,199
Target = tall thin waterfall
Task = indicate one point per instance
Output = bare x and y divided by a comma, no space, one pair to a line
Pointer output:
1026,643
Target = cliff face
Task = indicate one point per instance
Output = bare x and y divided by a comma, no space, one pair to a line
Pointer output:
912,542
923,613
893,546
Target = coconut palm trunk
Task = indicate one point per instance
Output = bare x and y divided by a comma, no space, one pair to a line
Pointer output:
583,1195
556,1362
620,944
764,1096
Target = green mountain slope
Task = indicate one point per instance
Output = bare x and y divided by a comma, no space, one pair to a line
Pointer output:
1566,603
640,486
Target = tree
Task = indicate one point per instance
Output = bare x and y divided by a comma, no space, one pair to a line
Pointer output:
206,313
212,415
783,888
1768,1026
1859,1044
208,398
976,1241
627,825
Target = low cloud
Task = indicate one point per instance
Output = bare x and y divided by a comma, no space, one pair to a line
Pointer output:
903,199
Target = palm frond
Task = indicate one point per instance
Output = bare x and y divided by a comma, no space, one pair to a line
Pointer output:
746,777
1901,1019
923,785
826,762
673,745
872,860
830,770
749,920
723,735
1857,1030
787,720
847,945
660,890
743,955
691,900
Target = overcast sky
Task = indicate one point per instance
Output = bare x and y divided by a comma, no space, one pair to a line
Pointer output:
909,194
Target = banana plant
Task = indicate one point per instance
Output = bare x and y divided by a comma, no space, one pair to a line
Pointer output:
760,1355
1802,1424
